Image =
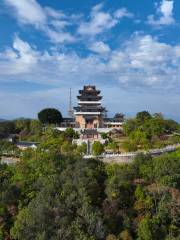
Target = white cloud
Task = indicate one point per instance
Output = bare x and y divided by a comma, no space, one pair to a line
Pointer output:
28,11
59,24
59,36
54,13
18,60
100,47
165,12
142,62
23,62
123,12
146,62
55,23
101,21
48,20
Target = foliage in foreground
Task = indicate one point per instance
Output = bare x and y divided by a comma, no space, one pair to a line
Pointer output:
53,196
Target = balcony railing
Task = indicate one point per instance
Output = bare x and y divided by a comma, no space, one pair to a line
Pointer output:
87,113
89,102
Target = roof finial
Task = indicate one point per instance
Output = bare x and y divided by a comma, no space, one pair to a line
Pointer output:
70,111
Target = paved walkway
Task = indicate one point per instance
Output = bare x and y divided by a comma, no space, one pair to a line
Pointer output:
128,157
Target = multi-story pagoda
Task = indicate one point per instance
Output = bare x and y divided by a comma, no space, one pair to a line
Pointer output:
89,113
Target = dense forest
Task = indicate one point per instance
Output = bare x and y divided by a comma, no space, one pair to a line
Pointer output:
55,195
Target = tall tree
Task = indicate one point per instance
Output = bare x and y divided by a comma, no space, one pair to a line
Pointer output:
50,116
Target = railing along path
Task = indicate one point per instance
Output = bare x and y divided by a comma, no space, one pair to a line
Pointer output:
127,157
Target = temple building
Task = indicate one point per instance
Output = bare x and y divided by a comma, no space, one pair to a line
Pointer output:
89,113
89,118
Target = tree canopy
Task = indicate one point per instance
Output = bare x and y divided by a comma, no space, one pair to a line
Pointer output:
143,116
50,116
149,131
51,195
97,148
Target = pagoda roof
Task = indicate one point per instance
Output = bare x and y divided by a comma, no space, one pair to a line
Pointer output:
88,96
89,89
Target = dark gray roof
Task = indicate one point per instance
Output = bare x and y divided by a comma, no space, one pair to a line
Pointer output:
90,131
112,120
68,119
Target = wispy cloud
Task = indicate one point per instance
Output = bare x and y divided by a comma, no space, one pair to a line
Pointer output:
59,36
101,21
52,22
164,14
123,12
27,12
100,47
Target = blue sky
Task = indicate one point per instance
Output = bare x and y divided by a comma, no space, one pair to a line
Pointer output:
131,51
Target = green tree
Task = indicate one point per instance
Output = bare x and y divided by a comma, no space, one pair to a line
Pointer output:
66,203
171,125
129,145
143,116
97,148
140,139
104,135
50,116
145,230
6,128
113,146
22,124
157,126
125,235
71,133
36,129
167,170
129,126
150,229
82,149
